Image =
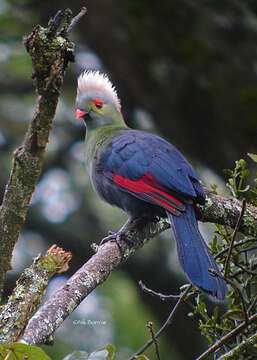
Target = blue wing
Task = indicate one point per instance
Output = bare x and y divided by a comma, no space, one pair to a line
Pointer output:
133,153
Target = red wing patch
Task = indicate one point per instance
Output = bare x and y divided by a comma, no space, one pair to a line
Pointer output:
147,185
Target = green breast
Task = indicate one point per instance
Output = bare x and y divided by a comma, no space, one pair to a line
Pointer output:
96,140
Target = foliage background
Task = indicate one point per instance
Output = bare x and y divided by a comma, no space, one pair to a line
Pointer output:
184,69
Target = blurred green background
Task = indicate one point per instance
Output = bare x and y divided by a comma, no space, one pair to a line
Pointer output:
184,69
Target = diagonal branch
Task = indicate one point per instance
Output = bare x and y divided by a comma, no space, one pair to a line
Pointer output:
107,258
50,56
226,267
165,325
93,273
246,344
227,337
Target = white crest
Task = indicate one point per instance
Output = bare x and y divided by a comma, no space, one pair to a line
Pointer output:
94,81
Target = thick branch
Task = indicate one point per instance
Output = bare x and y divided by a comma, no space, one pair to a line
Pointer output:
50,316
50,54
224,211
28,292
107,258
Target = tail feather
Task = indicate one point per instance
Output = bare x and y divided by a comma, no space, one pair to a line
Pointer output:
194,255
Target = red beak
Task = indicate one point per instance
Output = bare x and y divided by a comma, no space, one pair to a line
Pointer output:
80,113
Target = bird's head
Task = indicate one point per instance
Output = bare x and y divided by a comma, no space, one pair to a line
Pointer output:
97,101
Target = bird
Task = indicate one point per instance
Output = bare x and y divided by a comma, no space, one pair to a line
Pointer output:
144,175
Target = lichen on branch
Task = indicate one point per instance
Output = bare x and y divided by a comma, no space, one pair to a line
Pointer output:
28,292
50,51
98,268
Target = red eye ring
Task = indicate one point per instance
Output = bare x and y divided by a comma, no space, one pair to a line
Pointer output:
98,103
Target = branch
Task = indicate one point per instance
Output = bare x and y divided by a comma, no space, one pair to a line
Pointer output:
226,267
224,211
165,325
50,316
108,257
28,292
240,348
162,297
149,326
50,54
227,337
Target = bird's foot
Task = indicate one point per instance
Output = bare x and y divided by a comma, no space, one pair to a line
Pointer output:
125,234
116,236
120,235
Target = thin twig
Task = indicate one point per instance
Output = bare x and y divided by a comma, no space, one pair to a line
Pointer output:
54,24
226,338
252,305
247,250
239,272
76,19
165,325
244,305
149,325
154,293
245,270
240,243
234,237
8,355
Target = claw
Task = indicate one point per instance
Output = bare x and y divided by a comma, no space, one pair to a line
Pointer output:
113,236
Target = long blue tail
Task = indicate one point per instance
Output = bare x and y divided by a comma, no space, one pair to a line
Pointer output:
194,255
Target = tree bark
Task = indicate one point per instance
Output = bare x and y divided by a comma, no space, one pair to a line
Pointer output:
50,51
108,257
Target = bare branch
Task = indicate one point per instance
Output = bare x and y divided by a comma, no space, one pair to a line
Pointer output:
149,325
165,325
226,268
76,19
239,243
162,297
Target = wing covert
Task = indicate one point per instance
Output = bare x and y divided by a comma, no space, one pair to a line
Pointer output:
132,154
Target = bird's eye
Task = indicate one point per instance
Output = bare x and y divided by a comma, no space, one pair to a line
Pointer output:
98,103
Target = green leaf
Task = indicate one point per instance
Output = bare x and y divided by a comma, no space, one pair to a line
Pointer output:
228,172
141,357
245,173
253,156
216,313
214,189
111,351
20,351
202,307
241,163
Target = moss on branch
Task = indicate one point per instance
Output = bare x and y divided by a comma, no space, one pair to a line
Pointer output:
50,51
28,292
